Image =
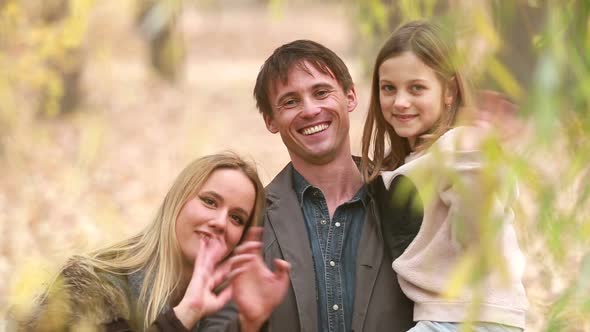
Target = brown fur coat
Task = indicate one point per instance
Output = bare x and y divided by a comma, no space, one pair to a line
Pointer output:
80,299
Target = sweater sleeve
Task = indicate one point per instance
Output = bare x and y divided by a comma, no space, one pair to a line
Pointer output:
166,322
471,187
464,193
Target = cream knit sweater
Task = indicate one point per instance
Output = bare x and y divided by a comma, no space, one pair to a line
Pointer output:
448,176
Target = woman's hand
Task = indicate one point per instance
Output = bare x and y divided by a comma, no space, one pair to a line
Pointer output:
256,289
199,299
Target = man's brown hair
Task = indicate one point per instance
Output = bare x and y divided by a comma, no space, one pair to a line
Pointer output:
294,54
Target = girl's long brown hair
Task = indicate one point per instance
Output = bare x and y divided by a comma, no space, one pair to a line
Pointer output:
433,46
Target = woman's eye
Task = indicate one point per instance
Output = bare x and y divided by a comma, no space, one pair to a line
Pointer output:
238,219
208,201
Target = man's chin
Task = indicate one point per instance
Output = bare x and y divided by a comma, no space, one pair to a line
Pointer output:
317,158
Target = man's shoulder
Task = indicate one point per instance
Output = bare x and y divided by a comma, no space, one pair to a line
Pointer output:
282,182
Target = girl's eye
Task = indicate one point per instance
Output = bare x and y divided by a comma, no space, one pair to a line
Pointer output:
238,219
417,88
387,88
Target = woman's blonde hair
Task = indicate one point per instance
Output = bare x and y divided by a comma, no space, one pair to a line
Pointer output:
155,250
435,47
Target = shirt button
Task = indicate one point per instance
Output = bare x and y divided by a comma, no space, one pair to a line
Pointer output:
323,222
337,224
335,307
332,263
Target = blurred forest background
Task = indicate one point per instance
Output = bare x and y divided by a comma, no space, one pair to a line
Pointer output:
102,103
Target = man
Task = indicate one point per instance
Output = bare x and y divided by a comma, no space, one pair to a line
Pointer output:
320,215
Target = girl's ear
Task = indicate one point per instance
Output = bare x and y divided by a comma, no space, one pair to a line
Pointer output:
451,91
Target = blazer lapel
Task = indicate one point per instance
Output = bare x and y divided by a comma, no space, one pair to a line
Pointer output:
286,219
369,257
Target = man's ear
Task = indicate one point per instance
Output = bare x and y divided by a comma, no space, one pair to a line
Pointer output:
351,99
270,123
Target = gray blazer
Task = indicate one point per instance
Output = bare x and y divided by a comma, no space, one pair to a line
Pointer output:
379,303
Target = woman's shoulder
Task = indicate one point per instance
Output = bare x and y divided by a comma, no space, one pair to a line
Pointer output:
81,294
89,287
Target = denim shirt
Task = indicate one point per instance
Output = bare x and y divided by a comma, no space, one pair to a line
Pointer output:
334,245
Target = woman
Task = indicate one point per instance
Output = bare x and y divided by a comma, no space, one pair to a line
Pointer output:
164,278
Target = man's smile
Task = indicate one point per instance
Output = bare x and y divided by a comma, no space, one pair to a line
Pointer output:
314,129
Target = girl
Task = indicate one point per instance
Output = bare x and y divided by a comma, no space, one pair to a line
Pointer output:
417,95
164,278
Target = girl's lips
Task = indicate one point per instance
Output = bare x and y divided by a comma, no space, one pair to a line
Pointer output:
405,117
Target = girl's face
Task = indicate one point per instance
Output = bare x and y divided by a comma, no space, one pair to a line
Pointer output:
218,212
410,94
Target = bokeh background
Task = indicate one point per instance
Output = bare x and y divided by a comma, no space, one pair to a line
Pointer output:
102,103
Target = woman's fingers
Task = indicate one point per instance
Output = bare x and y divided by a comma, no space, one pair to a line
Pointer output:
281,266
223,297
219,276
248,247
210,252
241,260
254,234
282,269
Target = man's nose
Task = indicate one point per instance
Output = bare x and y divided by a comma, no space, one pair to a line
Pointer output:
311,107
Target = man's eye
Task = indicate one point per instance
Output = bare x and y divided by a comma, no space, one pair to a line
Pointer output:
289,103
322,93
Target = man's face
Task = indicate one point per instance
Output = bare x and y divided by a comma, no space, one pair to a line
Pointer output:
310,111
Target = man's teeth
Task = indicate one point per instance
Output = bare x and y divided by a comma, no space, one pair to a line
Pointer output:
315,129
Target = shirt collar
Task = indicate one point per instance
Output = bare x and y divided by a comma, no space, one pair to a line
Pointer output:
300,185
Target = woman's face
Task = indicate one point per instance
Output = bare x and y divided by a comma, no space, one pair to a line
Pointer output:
219,212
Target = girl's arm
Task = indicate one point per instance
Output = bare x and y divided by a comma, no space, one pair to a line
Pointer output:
472,184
